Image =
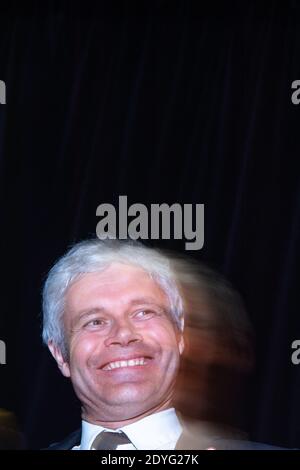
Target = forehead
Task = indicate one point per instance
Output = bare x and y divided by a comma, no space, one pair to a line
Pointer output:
118,284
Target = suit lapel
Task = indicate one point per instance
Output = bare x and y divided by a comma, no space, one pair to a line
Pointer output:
68,443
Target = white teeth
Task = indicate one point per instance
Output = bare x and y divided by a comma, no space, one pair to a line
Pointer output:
140,361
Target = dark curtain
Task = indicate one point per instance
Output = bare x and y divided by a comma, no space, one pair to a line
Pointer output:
186,102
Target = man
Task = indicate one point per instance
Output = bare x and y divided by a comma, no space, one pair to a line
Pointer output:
113,321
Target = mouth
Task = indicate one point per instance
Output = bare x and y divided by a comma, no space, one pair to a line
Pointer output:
141,361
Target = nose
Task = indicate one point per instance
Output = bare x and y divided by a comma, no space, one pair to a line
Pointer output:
123,333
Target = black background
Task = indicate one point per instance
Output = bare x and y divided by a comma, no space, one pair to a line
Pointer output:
162,101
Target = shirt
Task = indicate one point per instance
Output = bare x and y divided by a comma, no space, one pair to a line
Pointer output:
159,431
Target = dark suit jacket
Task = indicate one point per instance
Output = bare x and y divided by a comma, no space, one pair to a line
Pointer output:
196,435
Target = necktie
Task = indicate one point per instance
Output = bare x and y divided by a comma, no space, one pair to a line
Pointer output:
107,440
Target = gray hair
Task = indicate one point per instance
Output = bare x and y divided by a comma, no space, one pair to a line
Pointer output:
95,255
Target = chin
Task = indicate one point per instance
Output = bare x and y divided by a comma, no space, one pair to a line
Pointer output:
128,394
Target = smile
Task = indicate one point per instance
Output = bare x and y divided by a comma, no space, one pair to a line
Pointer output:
139,361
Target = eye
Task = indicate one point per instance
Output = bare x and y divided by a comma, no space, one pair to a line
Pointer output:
145,314
95,322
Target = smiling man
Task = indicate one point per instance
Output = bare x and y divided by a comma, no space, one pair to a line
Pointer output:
123,346
113,320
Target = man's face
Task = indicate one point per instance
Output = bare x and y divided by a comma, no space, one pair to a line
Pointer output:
124,347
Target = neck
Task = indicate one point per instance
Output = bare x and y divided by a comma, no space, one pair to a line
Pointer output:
115,424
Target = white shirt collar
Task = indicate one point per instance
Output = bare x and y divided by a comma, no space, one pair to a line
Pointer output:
157,431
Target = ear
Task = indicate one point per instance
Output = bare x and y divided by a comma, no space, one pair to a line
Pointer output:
58,356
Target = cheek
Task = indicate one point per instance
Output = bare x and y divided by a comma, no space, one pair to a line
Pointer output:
83,348
168,342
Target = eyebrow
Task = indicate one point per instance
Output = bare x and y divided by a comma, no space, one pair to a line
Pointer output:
145,300
87,313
